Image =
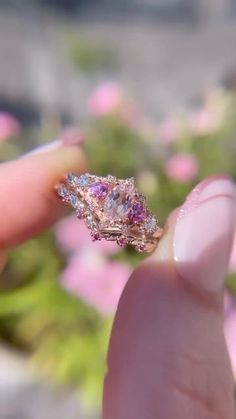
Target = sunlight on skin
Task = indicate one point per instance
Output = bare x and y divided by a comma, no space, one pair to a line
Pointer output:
167,355
27,198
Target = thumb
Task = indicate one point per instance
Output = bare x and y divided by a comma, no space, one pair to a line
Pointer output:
167,356
199,234
204,233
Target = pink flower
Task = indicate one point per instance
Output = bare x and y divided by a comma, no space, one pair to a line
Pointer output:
205,121
182,168
89,274
169,131
96,281
106,99
9,126
72,234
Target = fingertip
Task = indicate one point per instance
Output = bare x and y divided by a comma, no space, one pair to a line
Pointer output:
59,161
162,326
27,195
204,234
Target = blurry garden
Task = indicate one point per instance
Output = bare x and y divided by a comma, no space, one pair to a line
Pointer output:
153,100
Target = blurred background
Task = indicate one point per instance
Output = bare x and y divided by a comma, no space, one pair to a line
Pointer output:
147,87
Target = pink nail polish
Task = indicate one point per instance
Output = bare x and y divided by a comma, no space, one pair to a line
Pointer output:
204,233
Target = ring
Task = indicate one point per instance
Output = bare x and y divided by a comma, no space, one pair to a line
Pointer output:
112,209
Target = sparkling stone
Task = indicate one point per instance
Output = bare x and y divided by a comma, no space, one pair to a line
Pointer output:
110,178
63,191
95,236
117,203
75,201
140,247
131,181
99,190
137,213
89,221
150,224
72,179
83,180
80,213
121,241
141,198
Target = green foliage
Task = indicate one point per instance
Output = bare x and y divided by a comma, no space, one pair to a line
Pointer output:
66,337
114,147
90,56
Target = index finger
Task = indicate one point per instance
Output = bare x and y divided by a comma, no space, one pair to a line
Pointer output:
27,198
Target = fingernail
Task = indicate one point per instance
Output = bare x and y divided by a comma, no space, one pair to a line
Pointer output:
54,145
204,233
66,140
164,250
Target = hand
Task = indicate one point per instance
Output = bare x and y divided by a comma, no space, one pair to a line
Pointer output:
167,356
28,202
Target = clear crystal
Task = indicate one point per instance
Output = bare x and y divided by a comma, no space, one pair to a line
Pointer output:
150,224
131,181
110,178
117,203
89,221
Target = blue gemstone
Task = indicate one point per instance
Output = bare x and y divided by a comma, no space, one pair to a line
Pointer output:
71,178
74,201
83,181
62,191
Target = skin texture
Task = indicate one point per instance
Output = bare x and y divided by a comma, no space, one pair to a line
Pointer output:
167,356
27,199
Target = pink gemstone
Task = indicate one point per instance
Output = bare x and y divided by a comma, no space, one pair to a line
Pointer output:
137,213
121,241
95,236
98,190
141,248
80,214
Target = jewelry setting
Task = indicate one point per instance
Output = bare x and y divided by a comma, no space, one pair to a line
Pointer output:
112,209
